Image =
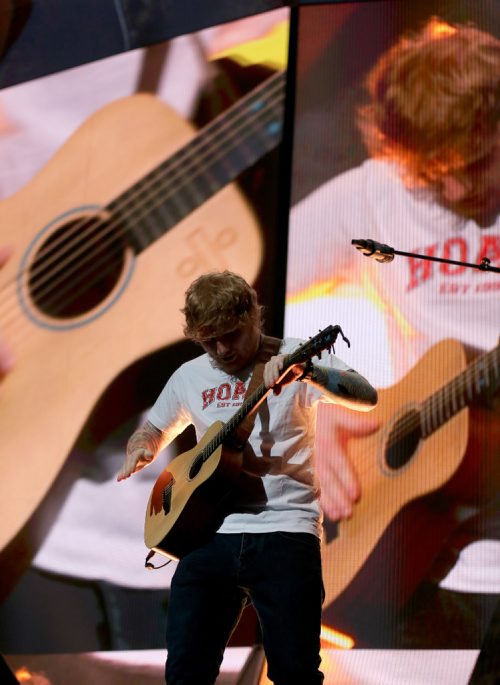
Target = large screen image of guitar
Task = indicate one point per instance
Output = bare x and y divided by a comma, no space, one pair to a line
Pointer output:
121,181
396,140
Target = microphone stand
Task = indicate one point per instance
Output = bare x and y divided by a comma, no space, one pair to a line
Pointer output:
384,253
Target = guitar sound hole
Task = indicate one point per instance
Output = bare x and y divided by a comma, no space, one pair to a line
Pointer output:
196,467
403,441
76,268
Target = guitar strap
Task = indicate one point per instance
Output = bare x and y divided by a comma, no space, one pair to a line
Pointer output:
269,347
153,61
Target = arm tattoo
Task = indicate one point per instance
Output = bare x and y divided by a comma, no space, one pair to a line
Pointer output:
348,386
146,437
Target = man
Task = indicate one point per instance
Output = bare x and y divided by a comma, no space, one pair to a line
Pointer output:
267,549
431,186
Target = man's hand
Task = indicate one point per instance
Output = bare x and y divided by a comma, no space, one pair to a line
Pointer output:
142,448
274,369
135,460
338,476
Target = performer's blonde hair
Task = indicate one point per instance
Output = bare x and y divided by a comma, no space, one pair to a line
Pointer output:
435,101
217,303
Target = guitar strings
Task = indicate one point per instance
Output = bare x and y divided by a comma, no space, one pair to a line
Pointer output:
432,411
134,199
186,155
187,159
150,202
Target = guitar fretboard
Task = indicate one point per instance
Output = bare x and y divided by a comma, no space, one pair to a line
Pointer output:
231,143
324,340
476,380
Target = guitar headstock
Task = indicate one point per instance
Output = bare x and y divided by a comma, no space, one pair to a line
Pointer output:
324,340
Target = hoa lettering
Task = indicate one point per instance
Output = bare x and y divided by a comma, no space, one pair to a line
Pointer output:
455,249
226,392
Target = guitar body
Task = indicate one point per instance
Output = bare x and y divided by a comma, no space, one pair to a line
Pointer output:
185,505
177,523
65,361
386,491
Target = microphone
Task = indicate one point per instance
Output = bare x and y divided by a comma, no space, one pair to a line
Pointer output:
379,251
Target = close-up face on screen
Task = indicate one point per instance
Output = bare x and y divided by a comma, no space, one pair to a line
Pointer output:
396,147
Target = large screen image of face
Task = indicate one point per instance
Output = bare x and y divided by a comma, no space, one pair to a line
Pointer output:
397,142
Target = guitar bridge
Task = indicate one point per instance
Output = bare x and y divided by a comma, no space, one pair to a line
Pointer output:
166,497
161,497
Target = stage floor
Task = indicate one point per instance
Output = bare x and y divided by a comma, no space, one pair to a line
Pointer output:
246,666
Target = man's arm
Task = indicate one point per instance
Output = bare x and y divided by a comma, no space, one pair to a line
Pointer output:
347,388
143,446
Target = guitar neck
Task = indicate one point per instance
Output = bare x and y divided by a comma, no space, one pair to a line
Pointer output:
231,143
475,381
324,340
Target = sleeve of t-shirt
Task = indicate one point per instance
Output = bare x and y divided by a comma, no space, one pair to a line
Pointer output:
313,394
321,228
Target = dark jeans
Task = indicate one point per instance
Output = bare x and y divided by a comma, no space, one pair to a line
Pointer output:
280,573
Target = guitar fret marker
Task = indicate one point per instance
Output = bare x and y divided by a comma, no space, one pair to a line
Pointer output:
274,127
256,106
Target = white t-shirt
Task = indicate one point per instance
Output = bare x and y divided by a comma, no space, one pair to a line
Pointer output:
437,301
283,434
371,201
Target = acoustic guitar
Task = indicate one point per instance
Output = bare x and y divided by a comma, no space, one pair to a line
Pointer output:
106,238
187,501
425,442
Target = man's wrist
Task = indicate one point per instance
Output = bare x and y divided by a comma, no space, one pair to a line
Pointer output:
307,374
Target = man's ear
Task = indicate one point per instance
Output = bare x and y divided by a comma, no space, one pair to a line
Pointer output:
452,189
